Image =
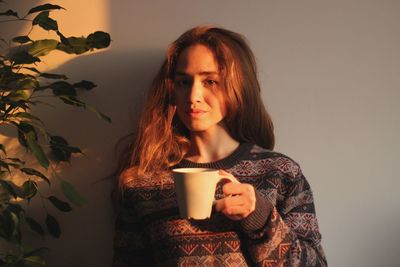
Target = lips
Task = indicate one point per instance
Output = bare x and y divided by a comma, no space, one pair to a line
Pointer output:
194,112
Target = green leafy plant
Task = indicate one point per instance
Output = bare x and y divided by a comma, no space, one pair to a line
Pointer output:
21,87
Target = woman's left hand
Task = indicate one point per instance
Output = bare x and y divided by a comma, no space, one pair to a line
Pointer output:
240,199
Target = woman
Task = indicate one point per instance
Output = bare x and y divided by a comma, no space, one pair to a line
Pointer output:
205,110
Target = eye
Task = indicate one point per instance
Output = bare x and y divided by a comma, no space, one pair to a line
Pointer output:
211,83
182,82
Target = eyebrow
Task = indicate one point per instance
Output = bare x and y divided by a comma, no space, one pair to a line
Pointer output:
202,73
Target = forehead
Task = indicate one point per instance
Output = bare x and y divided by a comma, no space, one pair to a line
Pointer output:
195,59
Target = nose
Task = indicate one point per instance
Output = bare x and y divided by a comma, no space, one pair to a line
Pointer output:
195,92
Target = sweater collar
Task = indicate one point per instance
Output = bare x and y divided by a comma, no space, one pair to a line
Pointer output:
225,163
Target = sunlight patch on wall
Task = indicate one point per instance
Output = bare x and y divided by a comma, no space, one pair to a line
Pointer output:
76,20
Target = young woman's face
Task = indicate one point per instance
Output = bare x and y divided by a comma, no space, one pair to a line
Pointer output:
197,89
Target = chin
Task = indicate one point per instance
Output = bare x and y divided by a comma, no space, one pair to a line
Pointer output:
214,128
197,129
204,125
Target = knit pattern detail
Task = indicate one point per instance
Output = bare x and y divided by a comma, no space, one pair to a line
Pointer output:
282,231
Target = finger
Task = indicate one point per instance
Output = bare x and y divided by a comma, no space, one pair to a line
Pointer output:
224,203
246,203
230,204
236,212
238,189
237,200
241,211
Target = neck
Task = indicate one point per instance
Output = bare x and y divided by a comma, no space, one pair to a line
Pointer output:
211,145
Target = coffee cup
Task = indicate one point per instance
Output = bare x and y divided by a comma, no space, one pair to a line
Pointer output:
195,191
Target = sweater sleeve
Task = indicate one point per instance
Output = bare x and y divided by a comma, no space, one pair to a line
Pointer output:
287,233
131,245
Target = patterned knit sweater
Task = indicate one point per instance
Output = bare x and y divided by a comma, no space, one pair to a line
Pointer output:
282,231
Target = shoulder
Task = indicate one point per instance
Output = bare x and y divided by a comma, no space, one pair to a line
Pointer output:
261,161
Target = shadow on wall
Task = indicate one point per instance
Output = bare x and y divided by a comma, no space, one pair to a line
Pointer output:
123,80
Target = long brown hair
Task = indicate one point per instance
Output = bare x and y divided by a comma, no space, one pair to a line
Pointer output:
161,140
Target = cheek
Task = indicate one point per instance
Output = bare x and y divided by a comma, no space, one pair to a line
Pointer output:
180,109
223,108
179,103
222,105
178,97
180,116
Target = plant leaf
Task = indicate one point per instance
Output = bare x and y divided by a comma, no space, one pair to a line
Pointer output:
44,7
36,149
53,226
34,261
98,113
15,208
35,226
24,127
17,160
24,57
17,189
22,39
10,225
5,165
26,115
88,85
99,40
42,47
3,148
8,188
9,13
43,20
59,204
15,165
29,189
71,194
35,251
77,45
27,84
34,172
2,106
17,95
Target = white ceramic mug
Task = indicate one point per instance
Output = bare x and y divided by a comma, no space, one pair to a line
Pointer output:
195,191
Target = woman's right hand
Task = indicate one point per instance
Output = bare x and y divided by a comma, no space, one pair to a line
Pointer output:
240,198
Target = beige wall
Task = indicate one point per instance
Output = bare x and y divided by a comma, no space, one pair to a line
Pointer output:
330,72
